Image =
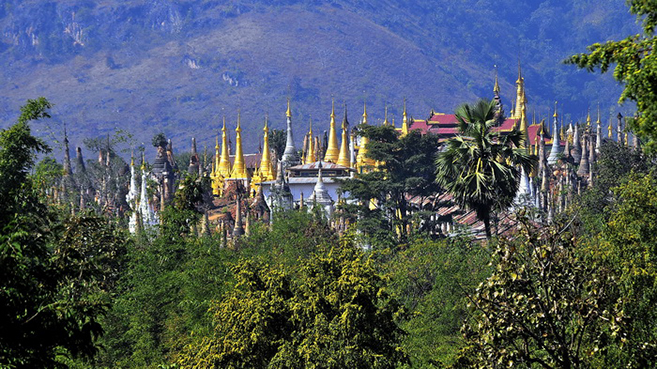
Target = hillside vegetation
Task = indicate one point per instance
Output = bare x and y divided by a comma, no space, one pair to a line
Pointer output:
178,66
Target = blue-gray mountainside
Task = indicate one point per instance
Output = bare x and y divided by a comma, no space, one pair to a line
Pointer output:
178,66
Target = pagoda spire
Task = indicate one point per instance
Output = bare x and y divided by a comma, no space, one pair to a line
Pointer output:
592,151
310,157
344,158
567,146
496,94
238,230
320,195
541,149
361,158
583,170
385,119
598,133
239,168
523,124
610,129
67,155
223,167
145,212
556,141
266,171
215,162
133,192
290,155
496,86
619,129
520,92
404,127
332,149
577,144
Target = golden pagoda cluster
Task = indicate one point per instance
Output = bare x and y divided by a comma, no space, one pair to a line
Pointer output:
223,171
351,152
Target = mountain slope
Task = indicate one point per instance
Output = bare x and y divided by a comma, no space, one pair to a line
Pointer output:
179,66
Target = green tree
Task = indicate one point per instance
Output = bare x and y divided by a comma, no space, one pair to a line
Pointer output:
543,306
480,167
159,140
18,149
406,170
636,65
55,273
334,313
277,140
433,279
47,174
627,249
614,166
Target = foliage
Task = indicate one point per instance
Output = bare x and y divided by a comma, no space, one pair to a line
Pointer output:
277,140
480,167
406,170
109,143
335,313
18,149
57,274
543,306
56,287
171,279
192,192
615,163
628,250
432,279
636,65
159,140
294,235
47,173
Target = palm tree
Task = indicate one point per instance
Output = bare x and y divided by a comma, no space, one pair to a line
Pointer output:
480,167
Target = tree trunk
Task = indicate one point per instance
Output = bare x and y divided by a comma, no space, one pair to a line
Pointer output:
486,219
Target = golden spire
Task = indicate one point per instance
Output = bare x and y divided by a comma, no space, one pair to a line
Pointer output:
143,162
332,149
588,118
555,110
223,167
385,120
404,127
266,171
344,158
496,87
310,158
239,168
610,129
288,113
598,121
361,159
523,124
520,94
132,159
217,153
536,146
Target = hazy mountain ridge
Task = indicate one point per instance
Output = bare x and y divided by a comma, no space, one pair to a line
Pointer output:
172,66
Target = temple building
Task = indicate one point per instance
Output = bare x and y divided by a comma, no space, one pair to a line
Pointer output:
253,187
